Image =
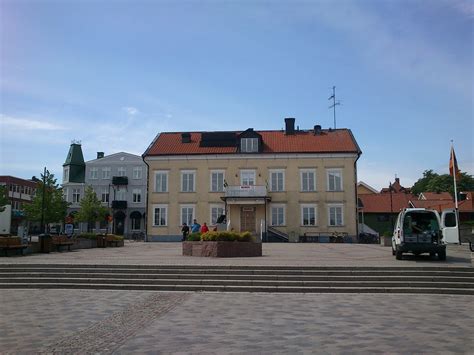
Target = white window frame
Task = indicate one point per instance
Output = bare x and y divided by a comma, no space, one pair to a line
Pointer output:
165,174
105,193
336,205
122,171
249,145
193,214
193,187
219,188
76,192
65,194
248,171
165,208
334,171
94,173
310,188
212,207
137,172
309,205
277,206
106,173
121,194
132,222
273,172
65,174
137,193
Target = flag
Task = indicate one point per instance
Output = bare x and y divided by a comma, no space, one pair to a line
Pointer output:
453,165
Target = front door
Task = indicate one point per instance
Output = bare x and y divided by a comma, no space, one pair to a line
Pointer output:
247,220
119,226
450,226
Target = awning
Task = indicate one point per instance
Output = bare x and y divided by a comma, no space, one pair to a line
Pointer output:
135,215
246,201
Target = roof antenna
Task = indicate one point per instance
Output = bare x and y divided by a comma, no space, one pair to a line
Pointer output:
334,103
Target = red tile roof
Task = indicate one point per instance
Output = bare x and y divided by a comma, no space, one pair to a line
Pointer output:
380,203
437,196
334,141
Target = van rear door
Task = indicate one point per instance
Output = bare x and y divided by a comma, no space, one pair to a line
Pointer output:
450,226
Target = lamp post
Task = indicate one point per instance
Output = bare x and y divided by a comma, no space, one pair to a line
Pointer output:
42,202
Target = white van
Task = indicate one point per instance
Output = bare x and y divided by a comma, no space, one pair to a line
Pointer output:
421,230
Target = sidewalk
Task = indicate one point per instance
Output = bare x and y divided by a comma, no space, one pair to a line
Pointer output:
274,254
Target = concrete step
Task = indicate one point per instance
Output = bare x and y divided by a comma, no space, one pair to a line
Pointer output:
353,277
294,284
223,288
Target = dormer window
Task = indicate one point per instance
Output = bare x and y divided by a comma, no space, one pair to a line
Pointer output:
249,145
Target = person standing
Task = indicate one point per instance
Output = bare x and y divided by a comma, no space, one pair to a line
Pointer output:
196,227
204,228
185,231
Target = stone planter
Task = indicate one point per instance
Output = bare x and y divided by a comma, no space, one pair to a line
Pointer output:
222,249
83,243
385,241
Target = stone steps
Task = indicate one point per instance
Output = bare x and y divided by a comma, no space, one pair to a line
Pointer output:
441,280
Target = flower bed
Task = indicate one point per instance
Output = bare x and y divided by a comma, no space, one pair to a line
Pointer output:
222,245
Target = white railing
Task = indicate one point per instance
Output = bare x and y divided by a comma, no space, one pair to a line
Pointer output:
246,191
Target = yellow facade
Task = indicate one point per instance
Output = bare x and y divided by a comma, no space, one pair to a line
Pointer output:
341,205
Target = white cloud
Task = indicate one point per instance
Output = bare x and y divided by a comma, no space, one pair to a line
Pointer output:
132,111
9,122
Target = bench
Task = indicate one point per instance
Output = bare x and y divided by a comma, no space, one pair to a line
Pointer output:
61,240
12,243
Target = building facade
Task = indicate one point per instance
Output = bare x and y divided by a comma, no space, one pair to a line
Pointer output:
290,183
119,181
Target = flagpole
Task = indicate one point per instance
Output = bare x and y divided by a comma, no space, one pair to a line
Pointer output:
455,191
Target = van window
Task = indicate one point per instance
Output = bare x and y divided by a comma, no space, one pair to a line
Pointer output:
420,222
450,220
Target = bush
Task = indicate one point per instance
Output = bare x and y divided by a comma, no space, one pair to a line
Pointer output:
225,236
88,236
246,237
114,237
387,234
194,237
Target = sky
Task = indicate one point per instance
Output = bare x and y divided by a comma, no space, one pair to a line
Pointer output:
113,74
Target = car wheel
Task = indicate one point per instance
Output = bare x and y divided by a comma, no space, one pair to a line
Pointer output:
442,255
393,251
399,255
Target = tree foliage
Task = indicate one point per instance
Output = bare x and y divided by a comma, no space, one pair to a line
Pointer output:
3,198
91,209
54,208
433,182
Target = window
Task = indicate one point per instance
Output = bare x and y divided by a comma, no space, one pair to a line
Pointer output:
450,219
247,177
122,171
277,180
137,195
65,196
308,180
106,173
334,180
137,172
187,214
187,180
94,173
136,223
105,195
308,215
217,181
216,212
160,215
161,181
121,194
278,215
76,195
249,145
336,216
66,175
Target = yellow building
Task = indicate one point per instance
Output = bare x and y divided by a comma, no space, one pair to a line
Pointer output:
284,184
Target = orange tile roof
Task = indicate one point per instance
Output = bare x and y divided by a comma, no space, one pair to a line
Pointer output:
438,196
380,203
334,141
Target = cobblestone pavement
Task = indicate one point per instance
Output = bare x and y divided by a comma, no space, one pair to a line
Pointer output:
123,322
295,254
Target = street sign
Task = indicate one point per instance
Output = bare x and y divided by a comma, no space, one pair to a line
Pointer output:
69,229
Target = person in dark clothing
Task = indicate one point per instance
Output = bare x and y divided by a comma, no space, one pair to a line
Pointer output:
185,231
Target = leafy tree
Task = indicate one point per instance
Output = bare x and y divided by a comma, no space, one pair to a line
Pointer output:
54,208
432,182
3,198
91,209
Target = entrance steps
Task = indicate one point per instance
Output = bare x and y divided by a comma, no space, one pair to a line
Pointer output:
433,280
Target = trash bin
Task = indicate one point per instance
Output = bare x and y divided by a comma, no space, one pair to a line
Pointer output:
45,241
101,241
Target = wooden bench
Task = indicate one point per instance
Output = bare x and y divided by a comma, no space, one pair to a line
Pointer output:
12,243
61,240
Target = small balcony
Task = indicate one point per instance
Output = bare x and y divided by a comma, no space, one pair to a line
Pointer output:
119,205
119,180
245,191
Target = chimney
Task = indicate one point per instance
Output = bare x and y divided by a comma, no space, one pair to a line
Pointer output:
317,130
289,126
185,137
100,155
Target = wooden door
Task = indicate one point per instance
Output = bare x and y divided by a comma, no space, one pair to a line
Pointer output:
247,220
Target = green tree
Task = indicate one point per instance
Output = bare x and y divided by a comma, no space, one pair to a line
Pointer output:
432,182
91,209
54,208
3,198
